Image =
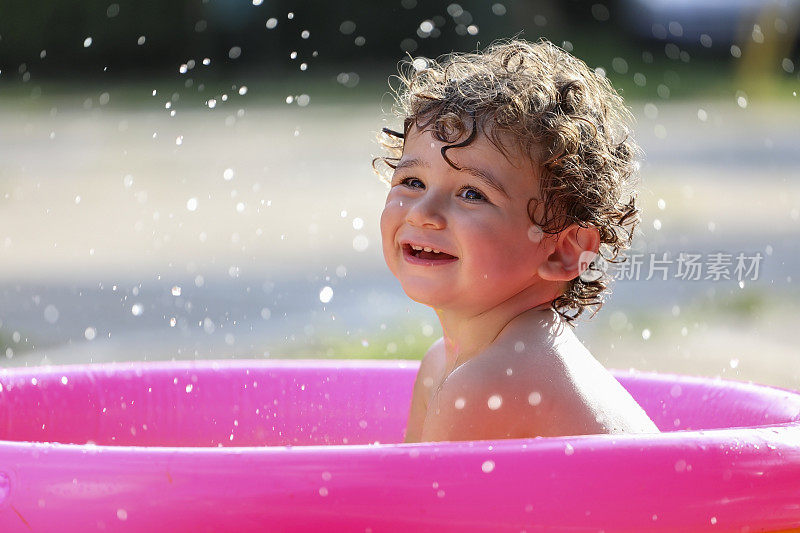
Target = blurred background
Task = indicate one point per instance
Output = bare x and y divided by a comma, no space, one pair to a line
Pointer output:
191,179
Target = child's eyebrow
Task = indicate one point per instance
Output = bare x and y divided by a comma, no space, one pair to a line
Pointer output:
484,176
488,178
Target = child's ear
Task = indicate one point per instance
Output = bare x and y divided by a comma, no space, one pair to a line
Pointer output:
572,251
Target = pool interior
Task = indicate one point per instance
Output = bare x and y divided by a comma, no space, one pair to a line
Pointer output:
209,405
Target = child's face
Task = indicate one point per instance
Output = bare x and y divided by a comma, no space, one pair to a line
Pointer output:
492,247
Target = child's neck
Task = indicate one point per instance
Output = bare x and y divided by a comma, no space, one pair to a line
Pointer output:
467,336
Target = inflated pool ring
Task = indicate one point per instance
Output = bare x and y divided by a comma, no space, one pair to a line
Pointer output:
314,446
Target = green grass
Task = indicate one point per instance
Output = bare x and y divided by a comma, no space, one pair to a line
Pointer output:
407,340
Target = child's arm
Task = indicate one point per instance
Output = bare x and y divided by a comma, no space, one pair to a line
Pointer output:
426,376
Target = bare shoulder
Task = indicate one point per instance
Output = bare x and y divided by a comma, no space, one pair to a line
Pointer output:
430,368
525,385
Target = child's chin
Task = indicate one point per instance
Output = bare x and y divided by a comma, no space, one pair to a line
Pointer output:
431,298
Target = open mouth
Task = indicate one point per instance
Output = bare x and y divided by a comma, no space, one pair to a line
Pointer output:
426,254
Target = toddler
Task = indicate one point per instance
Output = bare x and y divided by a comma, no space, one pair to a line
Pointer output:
512,173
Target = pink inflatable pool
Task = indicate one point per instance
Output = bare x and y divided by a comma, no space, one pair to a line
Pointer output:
313,446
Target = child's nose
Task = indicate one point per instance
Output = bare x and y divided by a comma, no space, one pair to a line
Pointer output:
426,212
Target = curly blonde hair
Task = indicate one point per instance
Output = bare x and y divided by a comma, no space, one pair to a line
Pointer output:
565,116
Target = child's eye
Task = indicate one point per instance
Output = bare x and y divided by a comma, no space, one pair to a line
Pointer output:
414,183
468,193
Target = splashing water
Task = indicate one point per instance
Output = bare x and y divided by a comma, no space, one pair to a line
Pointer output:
326,294
495,402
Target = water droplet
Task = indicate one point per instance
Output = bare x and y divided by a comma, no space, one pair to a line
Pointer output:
656,224
87,42
519,346
141,40
323,491
90,333
734,363
189,388
645,334
662,204
600,12
305,34
172,322
176,290
675,391
235,52
265,313
191,204
535,234
534,398
243,90
499,9
702,115
460,403
360,243
487,466
179,140
227,175
419,63
271,23
64,380
137,309
325,294
122,514
51,314
494,402
568,449
358,223
303,100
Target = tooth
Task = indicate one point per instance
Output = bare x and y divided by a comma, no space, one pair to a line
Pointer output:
416,247
437,252
428,249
